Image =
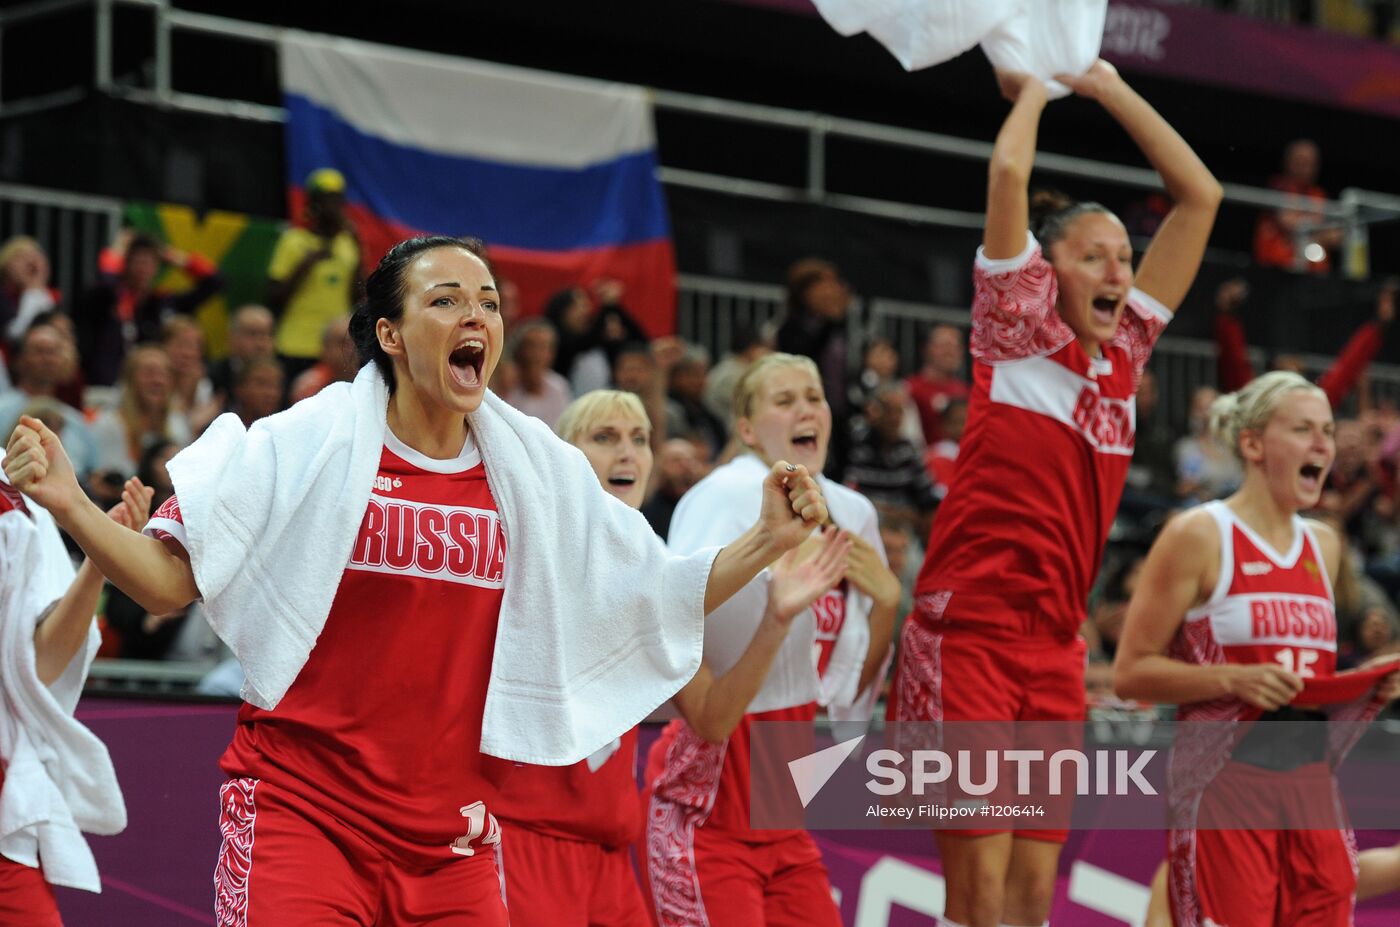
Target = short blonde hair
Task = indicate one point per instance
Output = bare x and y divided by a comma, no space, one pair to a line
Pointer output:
1250,408
14,245
746,390
591,408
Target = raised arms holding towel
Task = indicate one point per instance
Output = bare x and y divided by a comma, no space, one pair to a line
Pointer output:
1172,259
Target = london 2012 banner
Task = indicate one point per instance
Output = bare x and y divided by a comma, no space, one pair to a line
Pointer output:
557,174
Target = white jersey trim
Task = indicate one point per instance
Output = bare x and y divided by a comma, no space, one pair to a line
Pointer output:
1224,520
1283,561
1321,561
1151,304
1005,265
467,458
170,526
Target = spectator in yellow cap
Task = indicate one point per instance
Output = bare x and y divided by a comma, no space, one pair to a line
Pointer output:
314,272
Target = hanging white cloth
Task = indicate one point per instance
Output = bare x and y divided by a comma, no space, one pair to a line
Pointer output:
919,33
1048,37
1039,37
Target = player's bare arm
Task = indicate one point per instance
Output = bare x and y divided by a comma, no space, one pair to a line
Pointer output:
1009,172
1179,573
793,507
714,706
1170,263
870,575
62,631
159,580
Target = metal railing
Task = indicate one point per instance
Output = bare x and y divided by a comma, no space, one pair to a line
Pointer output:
710,308
1354,211
72,228
1182,365
147,677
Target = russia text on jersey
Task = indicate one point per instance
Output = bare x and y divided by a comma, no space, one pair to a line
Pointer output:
453,543
1274,618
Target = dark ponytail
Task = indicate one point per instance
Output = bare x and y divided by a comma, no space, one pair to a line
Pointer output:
1051,213
386,290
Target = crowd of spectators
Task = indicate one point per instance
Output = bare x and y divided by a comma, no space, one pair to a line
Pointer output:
122,373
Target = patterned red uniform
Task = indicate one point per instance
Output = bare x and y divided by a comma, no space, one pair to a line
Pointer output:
705,865
567,835
1266,608
1019,537
1018,540
362,792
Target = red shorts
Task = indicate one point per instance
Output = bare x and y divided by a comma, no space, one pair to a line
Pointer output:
286,863
964,672
704,877
26,899
1263,878
554,882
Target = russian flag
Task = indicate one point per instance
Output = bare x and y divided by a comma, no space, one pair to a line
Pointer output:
557,174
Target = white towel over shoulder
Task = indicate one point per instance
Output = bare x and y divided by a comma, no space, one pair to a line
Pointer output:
716,511
59,779
599,622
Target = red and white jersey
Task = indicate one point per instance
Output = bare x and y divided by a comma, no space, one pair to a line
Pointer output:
1267,607
382,728
713,779
1042,463
594,800
11,500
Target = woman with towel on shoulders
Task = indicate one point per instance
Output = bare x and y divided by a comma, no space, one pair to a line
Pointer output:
566,832
412,574
706,861
56,779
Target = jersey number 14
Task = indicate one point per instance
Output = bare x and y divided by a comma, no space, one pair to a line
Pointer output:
481,826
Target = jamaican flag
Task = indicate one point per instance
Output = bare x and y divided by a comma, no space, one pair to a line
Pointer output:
240,244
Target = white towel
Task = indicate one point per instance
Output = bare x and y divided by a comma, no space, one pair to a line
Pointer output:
919,33
59,779
599,623
1049,37
1039,37
716,511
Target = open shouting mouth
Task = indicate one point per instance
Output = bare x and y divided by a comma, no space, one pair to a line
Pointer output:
466,361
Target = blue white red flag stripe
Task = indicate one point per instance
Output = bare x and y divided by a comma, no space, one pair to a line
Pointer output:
556,173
